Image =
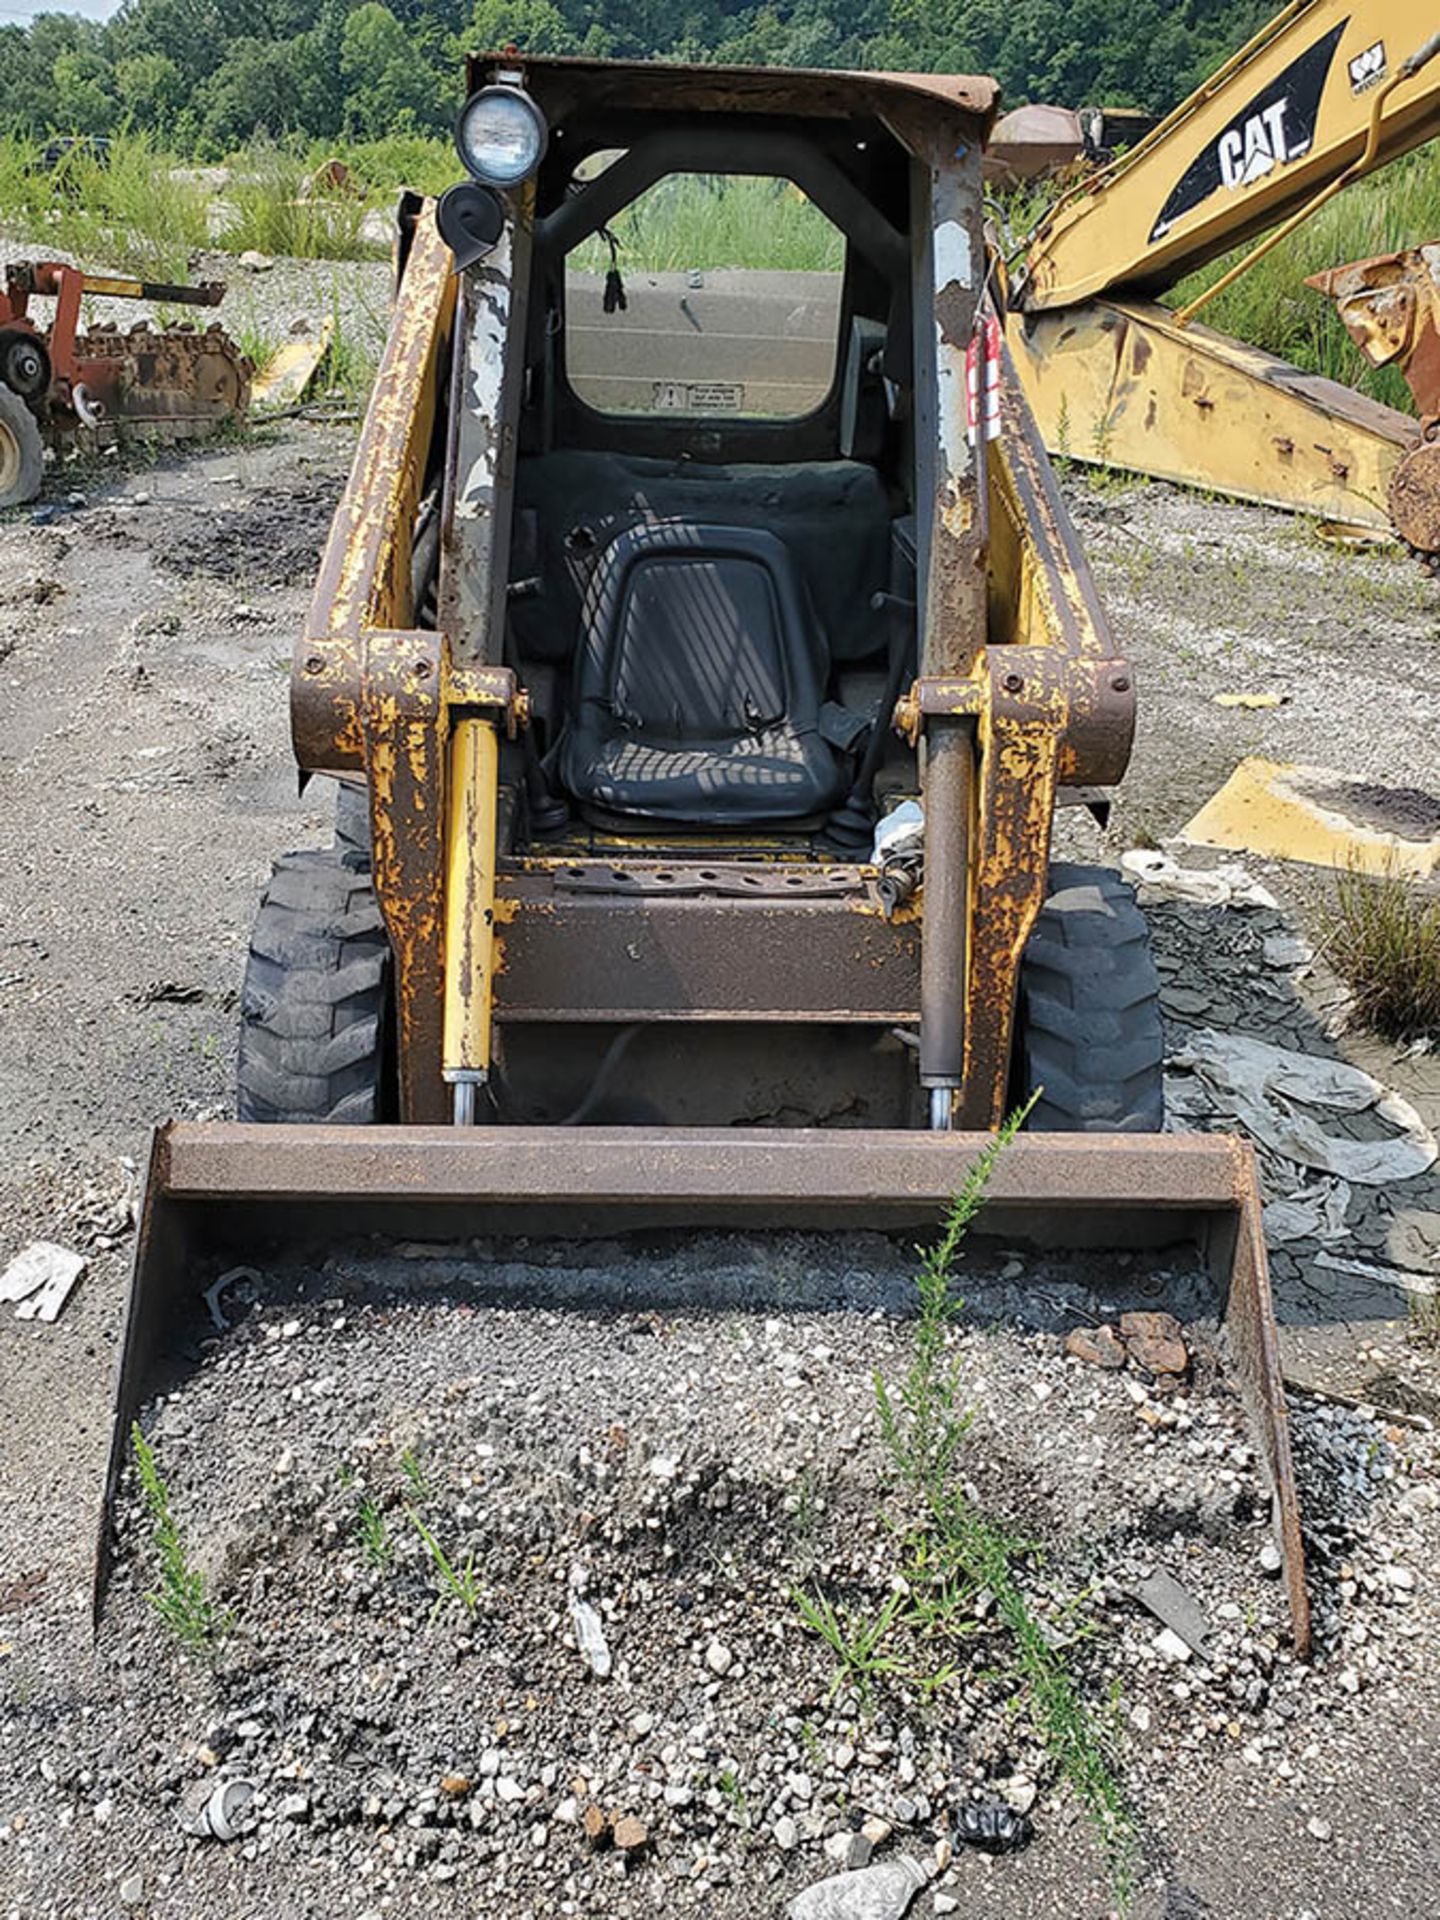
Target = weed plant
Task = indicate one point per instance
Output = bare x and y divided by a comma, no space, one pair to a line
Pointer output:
180,1599
460,1584
954,1552
272,213
134,210
1382,932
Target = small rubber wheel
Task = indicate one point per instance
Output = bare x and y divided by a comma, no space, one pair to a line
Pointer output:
316,1011
24,365
22,451
1088,1028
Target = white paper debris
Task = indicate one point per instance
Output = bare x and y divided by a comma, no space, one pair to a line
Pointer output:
41,1278
589,1632
902,831
1274,1093
1159,877
590,1637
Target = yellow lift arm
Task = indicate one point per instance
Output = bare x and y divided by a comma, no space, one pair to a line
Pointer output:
1279,122
1323,93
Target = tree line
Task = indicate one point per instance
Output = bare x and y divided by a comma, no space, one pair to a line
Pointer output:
205,76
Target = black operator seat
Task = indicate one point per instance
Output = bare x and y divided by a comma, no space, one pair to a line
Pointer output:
700,682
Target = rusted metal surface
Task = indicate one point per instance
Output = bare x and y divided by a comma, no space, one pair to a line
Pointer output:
1032,141
783,881
1061,705
402,721
1414,495
480,483
364,578
174,383
1120,385
1238,1243
636,953
1091,704
620,86
948,995
1390,306
1019,751
949,254
226,1192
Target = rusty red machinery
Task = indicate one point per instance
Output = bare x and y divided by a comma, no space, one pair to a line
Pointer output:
65,383
700,742
1390,305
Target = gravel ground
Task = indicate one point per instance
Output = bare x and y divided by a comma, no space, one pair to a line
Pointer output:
145,783
684,1474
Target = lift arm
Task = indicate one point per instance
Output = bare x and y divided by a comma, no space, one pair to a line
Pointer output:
1280,122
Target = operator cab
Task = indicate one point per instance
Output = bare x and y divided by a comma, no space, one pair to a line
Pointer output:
711,581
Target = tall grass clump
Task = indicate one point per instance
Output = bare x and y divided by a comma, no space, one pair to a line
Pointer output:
272,212
710,221
132,209
1383,935
382,167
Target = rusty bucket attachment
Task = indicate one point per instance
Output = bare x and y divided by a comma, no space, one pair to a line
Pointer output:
222,1194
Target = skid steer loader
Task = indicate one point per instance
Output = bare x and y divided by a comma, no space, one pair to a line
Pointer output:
700,727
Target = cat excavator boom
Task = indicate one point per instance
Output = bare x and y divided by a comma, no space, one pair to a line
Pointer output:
1323,94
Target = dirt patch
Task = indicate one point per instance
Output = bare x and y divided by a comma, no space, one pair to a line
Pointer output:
1408,812
274,540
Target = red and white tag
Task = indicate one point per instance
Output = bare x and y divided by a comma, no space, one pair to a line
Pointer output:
982,381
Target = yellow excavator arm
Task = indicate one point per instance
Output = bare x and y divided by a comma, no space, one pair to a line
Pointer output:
1289,114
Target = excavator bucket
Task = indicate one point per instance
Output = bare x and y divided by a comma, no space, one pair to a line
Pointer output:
221,1197
701,703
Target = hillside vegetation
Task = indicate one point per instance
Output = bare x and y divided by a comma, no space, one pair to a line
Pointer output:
206,76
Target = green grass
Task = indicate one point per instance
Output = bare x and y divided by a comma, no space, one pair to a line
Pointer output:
180,1599
415,1473
707,221
134,212
460,1584
1382,932
383,167
273,215
860,1640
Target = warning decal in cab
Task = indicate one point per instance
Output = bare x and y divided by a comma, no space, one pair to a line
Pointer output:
1276,127
699,396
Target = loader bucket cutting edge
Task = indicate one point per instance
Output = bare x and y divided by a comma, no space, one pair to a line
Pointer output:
219,1189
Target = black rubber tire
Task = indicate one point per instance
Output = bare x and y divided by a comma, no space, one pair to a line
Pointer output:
22,451
316,1017
1088,1029
352,825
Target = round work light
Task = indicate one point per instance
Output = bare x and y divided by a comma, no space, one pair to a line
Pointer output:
501,136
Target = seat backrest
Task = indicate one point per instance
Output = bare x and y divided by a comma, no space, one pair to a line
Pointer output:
699,634
833,518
